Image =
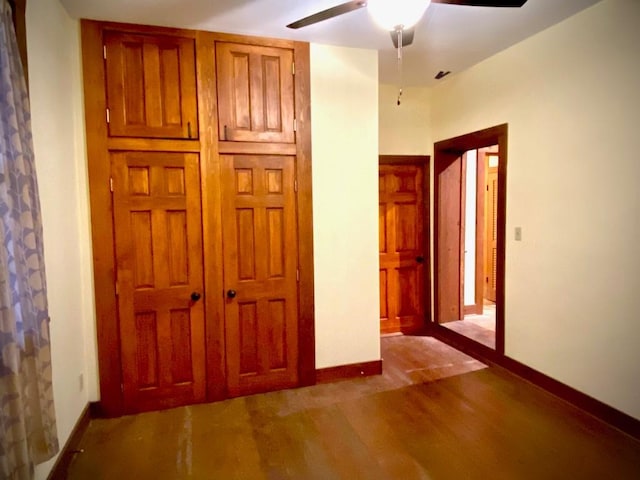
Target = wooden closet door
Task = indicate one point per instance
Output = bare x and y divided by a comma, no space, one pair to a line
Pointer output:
255,93
401,229
151,86
157,219
260,273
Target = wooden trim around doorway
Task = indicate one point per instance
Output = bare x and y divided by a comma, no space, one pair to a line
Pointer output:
444,152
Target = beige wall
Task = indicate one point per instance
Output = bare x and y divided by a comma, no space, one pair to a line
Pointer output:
571,97
57,123
344,122
405,129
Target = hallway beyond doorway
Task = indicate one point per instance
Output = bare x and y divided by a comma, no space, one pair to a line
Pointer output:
478,327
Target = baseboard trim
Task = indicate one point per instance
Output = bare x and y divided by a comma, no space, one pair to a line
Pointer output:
596,408
350,371
70,449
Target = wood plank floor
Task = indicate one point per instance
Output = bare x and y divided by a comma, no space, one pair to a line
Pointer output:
435,413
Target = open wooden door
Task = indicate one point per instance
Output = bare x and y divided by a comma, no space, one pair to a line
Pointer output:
449,240
260,272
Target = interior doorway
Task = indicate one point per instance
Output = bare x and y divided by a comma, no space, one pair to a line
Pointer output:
469,229
478,232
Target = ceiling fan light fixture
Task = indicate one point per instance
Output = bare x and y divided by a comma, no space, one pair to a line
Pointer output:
397,14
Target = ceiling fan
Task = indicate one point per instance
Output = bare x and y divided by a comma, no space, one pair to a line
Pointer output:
397,16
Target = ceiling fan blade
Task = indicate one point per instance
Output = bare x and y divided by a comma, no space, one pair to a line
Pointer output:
484,3
328,13
407,37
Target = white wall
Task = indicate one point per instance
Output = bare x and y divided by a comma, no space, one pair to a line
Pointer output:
344,122
405,129
470,228
571,97
57,123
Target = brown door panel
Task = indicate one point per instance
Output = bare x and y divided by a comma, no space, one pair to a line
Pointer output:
255,93
261,261
401,232
157,219
151,86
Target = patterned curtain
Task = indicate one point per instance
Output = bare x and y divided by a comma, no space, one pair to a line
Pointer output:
27,417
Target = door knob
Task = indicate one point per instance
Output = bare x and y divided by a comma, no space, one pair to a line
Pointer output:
231,293
420,259
195,296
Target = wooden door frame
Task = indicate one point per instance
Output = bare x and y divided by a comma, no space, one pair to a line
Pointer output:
423,161
444,152
208,146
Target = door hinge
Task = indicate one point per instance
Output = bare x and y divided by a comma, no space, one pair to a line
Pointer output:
293,68
297,275
122,387
295,125
295,185
108,116
111,184
117,289
104,52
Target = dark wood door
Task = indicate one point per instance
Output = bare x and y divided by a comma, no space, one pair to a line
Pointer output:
402,256
158,241
255,93
450,243
151,86
491,231
260,272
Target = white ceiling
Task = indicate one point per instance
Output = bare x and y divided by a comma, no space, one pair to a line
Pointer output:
449,37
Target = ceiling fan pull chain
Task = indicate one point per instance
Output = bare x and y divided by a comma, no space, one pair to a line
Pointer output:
399,31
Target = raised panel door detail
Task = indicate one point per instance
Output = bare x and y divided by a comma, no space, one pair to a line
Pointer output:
156,204
406,218
255,93
246,244
151,86
384,309
401,227
147,349
178,241
181,359
407,291
277,335
248,334
174,181
261,322
139,181
382,227
141,236
275,239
